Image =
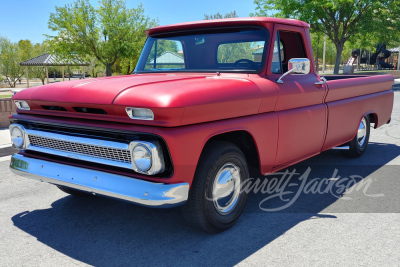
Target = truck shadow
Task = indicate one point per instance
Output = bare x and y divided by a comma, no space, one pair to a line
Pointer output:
106,232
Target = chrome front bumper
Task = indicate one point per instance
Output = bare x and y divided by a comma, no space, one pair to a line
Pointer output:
102,183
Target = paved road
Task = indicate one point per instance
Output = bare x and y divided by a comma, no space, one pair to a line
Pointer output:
42,226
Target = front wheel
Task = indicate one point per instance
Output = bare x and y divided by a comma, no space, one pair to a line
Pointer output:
216,200
359,144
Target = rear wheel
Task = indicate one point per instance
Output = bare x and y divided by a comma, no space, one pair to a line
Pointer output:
73,192
359,144
216,200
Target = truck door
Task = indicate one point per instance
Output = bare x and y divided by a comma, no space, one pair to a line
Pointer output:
301,112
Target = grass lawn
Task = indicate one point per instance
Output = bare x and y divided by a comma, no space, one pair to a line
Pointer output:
5,96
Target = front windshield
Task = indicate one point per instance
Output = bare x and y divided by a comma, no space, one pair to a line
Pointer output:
229,50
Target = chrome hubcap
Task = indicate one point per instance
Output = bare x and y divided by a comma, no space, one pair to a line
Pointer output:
362,133
226,188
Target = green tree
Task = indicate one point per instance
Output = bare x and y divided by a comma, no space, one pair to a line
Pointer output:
317,41
12,54
10,57
340,20
230,53
385,25
129,62
109,32
95,68
26,49
38,71
219,16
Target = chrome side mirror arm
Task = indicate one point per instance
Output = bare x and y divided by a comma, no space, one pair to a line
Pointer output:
297,65
288,72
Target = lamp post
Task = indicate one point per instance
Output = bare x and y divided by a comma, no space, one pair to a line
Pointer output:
323,57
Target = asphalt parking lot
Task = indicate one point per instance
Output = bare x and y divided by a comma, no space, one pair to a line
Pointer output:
42,226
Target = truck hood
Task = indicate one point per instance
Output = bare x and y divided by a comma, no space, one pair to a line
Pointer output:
100,91
175,99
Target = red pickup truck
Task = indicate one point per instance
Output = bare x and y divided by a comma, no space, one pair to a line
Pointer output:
206,101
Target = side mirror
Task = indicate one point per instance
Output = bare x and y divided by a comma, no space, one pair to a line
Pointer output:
297,66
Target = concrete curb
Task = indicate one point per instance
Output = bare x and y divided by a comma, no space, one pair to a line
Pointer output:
7,150
5,143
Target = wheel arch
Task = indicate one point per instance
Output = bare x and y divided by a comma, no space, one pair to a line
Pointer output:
373,118
246,142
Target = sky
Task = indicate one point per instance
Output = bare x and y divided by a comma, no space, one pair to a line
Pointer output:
27,19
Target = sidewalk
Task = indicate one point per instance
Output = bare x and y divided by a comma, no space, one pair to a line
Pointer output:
5,138
13,90
5,143
396,85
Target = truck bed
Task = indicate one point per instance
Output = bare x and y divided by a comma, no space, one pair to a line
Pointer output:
349,98
343,87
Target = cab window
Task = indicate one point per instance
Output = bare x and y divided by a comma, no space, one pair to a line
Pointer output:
290,45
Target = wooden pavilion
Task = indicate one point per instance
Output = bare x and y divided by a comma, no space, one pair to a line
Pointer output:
47,60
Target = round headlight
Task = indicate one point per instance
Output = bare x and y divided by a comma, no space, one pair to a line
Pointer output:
141,156
17,137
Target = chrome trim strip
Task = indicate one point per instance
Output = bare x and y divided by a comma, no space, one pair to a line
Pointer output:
102,183
341,148
76,139
77,156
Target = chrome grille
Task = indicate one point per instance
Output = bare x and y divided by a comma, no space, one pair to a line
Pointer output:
106,153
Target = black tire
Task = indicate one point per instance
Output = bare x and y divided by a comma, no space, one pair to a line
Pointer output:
201,211
73,192
356,147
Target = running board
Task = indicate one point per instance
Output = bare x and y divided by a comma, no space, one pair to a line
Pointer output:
341,148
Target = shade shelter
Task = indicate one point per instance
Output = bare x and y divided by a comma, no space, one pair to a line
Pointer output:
47,60
168,58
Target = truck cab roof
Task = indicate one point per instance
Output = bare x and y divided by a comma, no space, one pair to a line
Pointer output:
224,22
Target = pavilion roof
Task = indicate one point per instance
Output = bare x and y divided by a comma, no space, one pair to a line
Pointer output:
51,60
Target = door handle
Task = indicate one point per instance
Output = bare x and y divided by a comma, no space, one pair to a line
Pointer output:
320,84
